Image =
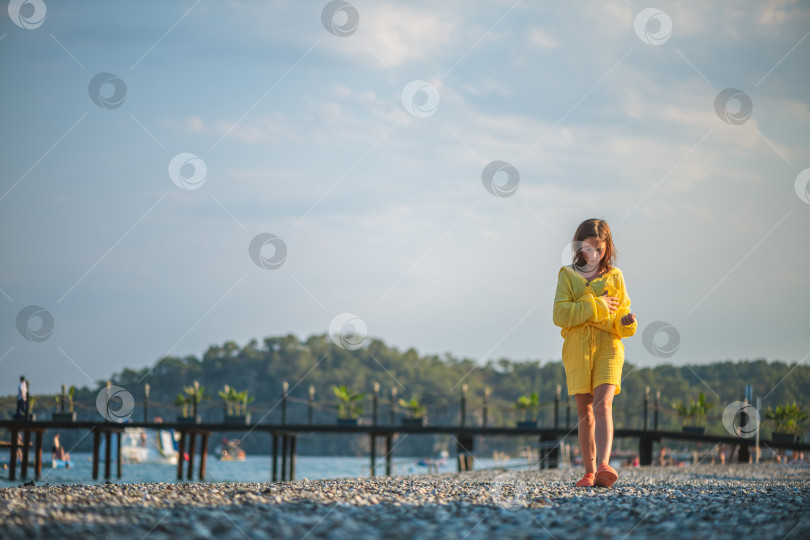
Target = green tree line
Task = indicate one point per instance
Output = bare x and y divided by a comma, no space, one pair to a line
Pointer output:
435,381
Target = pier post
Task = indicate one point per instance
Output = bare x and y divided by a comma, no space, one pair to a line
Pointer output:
744,455
646,400
118,454
96,445
146,402
388,449
550,451
195,401
373,453
107,454
26,444
38,454
393,418
486,403
557,407
293,440
463,404
645,451
310,404
284,443
204,453
464,447
375,398
655,411
181,450
285,386
274,474
192,443
12,458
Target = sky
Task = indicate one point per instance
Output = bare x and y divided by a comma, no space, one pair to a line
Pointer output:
179,174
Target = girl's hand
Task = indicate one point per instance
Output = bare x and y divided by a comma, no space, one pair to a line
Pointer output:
612,302
629,319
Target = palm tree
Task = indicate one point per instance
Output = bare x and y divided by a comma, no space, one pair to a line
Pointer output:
349,406
417,410
195,394
787,417
696,411
528,404
182,401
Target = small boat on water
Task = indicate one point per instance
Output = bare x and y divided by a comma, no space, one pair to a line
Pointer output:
229,450
434,462
139,445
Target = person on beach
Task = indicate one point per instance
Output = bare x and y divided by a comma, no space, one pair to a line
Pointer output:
663,460
22,400
593,309
58,451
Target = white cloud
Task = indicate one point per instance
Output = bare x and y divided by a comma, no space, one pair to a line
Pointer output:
774,13
542,40
395,34
195,124
604,148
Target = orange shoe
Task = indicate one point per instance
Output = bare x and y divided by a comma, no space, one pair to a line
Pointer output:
606,475
587,480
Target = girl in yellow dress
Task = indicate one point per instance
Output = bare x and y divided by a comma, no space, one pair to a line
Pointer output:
593,310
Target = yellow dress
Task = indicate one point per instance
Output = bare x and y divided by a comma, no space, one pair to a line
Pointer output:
593,352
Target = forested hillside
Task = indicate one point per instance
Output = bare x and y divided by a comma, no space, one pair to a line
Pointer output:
436,382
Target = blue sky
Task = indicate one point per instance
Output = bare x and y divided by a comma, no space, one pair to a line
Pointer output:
305,135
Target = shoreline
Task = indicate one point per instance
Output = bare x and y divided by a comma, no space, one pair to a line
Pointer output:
721,501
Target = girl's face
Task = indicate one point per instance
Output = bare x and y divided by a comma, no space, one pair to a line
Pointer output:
593,251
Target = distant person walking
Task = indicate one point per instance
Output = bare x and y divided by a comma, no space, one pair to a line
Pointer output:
593,309
22,400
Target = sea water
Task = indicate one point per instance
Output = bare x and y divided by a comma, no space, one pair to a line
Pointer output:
252,469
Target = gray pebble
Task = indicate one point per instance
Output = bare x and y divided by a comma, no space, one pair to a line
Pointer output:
729,501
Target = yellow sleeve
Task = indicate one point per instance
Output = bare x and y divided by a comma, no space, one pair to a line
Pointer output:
624,309
569,311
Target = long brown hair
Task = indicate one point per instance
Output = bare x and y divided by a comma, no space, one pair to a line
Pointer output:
594,228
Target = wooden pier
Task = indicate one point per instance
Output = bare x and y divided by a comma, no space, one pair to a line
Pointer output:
284,438
190,433
26,428
107,430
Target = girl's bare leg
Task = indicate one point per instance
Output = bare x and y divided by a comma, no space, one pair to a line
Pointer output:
585,425
603,413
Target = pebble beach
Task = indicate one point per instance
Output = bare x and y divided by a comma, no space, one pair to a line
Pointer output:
705,501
